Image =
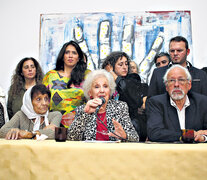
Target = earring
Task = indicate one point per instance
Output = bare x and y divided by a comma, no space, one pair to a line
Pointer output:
91,97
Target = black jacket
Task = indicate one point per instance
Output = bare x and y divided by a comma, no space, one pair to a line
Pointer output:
162,119
157,86
131,91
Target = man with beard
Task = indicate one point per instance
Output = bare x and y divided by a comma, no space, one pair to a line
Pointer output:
178,50
168,114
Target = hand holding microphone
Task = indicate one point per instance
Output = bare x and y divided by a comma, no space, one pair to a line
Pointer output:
94,105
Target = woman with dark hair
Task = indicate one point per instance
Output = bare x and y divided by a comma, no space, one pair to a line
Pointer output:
27,73
33,118
128,88
65,81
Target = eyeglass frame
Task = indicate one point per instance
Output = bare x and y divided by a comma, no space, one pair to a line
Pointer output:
181,81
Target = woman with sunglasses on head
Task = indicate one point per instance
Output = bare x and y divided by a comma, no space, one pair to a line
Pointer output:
128,87
65,81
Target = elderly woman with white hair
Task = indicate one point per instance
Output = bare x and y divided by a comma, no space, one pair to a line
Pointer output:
101,118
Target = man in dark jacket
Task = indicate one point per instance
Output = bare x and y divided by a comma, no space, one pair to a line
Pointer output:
178,50
178,109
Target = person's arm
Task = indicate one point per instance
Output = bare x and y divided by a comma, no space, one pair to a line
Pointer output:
13,123
54,121
9,105
153,85
109,68
126,124
77,128
204,84
15,133
157,129
201,135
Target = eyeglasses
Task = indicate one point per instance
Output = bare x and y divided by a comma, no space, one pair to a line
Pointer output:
181,81
158,64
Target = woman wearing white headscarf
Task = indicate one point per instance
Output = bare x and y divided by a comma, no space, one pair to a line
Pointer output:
33,118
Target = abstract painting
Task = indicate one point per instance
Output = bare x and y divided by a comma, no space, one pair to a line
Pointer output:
140,34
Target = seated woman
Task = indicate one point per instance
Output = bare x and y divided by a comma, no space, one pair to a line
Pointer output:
128,88
33,118
110,122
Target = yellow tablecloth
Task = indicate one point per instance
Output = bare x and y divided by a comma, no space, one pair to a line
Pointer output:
30,159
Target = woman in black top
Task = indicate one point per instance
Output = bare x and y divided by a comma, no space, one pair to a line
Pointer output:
129,88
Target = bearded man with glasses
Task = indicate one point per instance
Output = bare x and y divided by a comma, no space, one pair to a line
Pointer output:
169,115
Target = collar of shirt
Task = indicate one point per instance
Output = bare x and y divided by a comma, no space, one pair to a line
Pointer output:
188,64
187,103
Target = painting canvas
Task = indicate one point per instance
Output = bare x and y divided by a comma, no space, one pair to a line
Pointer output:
140,34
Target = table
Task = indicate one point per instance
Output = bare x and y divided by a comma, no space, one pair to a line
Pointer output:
30,159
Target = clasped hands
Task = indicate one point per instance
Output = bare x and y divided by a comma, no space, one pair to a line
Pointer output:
198,135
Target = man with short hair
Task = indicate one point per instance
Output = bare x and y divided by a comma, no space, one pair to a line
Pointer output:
162,59
169,113
178,50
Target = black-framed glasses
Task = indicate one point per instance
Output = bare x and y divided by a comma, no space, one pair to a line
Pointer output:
181,81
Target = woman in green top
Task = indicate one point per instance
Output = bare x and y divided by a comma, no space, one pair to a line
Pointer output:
65,81
27,74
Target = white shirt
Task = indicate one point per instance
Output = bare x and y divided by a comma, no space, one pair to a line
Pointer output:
181,113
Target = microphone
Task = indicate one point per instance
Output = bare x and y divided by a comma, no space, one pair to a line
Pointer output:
99,106
96,113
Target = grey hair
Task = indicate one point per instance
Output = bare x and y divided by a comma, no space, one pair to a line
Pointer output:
189,78
92,76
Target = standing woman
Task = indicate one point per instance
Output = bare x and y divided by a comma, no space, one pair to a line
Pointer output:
128,87
65,81
27,74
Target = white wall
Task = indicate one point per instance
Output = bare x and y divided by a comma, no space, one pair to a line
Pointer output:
20,23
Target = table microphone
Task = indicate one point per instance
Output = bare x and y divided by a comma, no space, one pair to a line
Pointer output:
99,106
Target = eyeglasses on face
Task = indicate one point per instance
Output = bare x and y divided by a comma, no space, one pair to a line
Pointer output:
181,81
158,64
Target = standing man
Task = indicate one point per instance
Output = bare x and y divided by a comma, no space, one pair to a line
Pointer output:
178,50
178,109
162,59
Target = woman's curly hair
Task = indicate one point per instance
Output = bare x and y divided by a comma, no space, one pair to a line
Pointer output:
113,57
18,80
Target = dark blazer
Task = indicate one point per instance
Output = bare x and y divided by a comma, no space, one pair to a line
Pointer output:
199,81
162,119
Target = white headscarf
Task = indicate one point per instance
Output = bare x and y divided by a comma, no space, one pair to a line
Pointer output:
28,110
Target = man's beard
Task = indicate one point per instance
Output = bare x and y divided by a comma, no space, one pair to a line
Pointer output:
176,96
